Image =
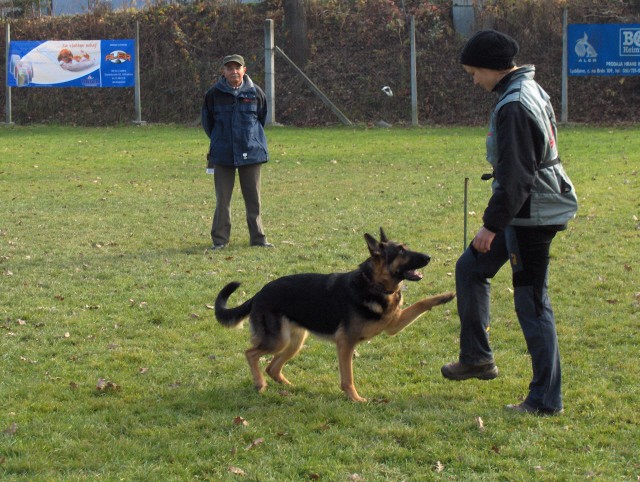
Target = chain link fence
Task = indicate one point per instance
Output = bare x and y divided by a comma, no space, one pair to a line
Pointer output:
354,50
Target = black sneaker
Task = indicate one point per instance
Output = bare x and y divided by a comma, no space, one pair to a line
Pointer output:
525,408
461,371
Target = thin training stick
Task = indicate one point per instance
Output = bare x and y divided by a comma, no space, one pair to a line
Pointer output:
466,190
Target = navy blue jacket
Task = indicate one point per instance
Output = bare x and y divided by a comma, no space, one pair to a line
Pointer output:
234,121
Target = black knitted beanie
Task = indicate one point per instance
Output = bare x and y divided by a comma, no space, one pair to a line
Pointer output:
489,49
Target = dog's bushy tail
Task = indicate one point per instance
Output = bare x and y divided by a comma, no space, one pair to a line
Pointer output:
231,317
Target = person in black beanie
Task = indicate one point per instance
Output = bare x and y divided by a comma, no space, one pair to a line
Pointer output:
532,199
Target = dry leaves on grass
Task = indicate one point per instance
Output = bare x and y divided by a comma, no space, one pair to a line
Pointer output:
106,385
480,423
237,471
11,429
254,444
240,421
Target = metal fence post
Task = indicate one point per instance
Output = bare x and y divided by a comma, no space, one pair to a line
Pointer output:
136,88
8,92
269,71
564,114
414,87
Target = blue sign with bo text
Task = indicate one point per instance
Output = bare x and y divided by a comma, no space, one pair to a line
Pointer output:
604,49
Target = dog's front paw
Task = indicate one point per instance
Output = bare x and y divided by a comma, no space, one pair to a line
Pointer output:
445,298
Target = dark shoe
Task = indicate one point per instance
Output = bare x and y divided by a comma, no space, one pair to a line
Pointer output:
264,245
524,408
216,247
461,371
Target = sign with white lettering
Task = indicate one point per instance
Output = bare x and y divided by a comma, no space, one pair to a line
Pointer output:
71,63
604,49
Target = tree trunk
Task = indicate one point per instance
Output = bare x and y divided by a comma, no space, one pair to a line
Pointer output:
295,22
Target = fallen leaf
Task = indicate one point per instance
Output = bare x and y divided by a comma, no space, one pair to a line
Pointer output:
210,307
495,448
254,444
67,334
480,423
21,322
106,385
143,370
11,429
237,471
356,477
438,467
240,421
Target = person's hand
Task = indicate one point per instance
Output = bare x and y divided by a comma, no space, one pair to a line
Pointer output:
482,241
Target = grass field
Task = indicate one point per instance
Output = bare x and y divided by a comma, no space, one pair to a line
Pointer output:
114,368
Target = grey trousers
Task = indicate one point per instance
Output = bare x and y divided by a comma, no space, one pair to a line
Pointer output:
528,250
224,180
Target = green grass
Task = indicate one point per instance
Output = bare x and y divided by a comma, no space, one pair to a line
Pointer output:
105,274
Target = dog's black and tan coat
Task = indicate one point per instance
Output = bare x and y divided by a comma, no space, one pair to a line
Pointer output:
346,308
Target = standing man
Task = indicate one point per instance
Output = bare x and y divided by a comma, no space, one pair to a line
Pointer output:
233,116
532,199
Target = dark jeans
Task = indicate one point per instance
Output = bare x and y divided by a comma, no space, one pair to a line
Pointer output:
224,179
528,251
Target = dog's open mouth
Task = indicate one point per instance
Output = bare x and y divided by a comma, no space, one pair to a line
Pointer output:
412,275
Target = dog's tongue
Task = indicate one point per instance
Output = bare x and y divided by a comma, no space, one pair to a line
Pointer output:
413,275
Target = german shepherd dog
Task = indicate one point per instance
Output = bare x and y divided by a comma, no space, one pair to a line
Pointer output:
345,308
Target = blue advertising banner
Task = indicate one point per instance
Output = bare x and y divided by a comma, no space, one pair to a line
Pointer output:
71,63
605,49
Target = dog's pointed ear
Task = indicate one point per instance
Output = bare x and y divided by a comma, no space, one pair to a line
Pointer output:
383,237
372,244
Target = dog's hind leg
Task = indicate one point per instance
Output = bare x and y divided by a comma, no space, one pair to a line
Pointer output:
297,337
413,312
253,357
346,349
271,335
